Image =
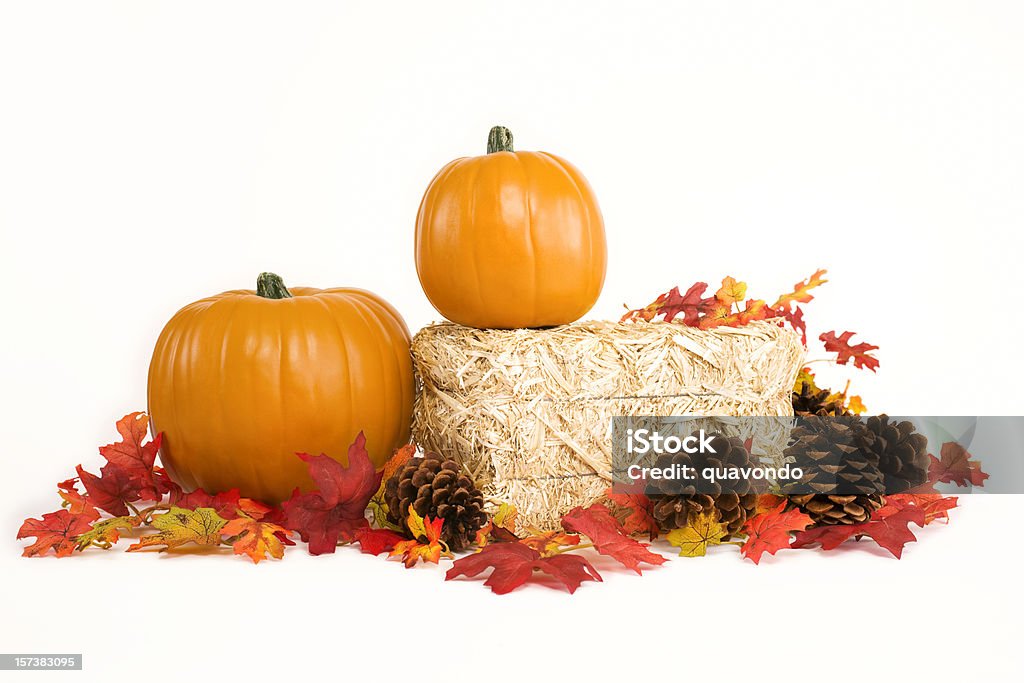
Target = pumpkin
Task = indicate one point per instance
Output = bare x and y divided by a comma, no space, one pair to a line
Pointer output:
510,239
241,381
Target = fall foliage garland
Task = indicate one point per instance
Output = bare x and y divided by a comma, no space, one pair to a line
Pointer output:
133,495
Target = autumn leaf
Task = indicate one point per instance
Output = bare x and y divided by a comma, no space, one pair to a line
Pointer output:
134,456
425,544
377,541
890,530
639,508
955,466
179,526
255,538
801,291
608,536
936,506
72,498
731,292
795,318
766,502
106,533
858,353
56,531
225,503
513,564
856,406
548,543
693,540
112,490
770,532
337,508
500,528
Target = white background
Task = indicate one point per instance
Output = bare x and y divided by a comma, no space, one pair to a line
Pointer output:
154,153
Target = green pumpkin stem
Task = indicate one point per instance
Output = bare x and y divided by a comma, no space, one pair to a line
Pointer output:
271,286
499,140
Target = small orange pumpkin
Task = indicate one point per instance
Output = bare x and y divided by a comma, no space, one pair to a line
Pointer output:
510,239
241,381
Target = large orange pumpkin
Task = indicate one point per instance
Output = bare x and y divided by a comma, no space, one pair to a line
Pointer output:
241,381
510,239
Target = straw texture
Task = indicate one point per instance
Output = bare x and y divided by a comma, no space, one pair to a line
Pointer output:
528,412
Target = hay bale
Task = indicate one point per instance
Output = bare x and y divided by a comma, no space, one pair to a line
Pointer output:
527,412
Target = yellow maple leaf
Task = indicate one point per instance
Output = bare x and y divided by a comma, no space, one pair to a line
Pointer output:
255,538
201,526
693,540
426,543
856,406
506,516
731,292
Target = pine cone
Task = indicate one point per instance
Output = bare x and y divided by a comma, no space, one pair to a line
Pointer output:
902,453
732,504
842,483
437,488
813,401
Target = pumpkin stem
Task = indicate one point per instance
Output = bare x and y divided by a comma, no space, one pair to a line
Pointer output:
499,140
271,286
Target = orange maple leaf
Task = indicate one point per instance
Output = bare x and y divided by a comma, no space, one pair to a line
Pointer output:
731,292
770,532
548,543
426,543
255,538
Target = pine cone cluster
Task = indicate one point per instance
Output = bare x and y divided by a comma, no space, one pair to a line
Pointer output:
436,487
732,504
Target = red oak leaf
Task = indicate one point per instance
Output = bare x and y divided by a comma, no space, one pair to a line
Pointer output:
769,532
639,519
858,353
336,509
112,490
795,318
56,531
686,304
608,536
514,564
377,541
955,467
935,505
890,530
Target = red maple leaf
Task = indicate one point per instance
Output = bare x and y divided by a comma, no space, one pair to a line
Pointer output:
608,536
112,490
377,541
336,508
935,505
225,503
955,467
858,353
888,529
135,457
56,531
514,564
639,519
769,532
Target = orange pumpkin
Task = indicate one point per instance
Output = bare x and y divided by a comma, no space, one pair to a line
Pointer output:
510,239
241,381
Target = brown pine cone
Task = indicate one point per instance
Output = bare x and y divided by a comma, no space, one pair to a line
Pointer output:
436,487
810,400
902,453
842,483
732,505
